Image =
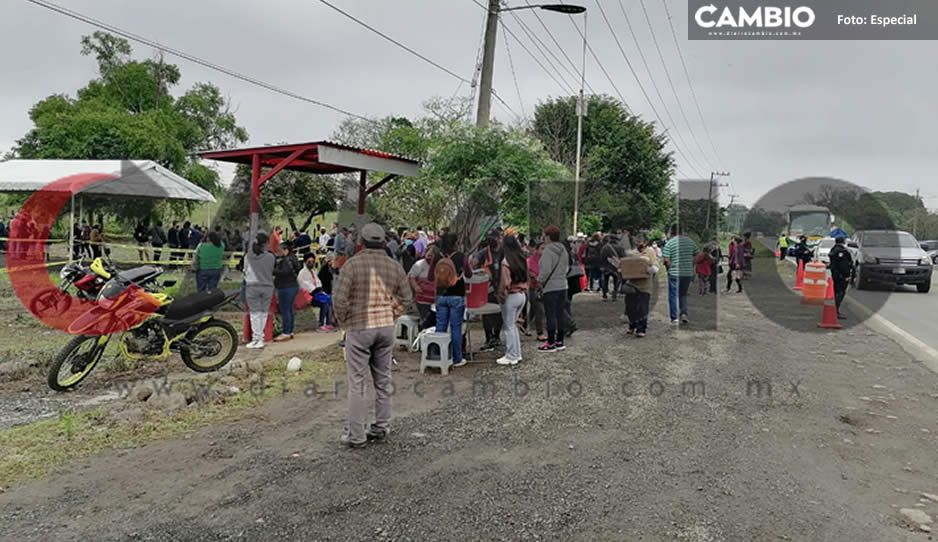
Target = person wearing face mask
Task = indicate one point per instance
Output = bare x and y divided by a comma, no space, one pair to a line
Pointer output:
309,283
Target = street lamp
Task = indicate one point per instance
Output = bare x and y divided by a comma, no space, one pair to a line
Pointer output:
569,9
488,57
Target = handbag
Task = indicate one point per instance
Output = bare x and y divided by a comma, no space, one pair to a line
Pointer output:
302,300
627,288
539,293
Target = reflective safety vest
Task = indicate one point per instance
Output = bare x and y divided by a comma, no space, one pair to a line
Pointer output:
783,241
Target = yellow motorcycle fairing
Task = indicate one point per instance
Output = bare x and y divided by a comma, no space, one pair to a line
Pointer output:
97,267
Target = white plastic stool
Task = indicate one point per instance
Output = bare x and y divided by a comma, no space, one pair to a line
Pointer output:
405,331
435,351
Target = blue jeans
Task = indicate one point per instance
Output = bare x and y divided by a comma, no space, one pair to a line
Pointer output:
450,311
207,279
285,298
325,314
677,295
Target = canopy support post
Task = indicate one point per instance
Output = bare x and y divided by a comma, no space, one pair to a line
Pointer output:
255,198
362,192
71,230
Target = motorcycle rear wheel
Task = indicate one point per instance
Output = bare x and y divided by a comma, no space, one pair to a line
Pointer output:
78,367
216,342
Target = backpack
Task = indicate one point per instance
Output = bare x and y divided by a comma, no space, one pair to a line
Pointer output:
445,273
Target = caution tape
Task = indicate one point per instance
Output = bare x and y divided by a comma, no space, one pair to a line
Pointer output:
4,270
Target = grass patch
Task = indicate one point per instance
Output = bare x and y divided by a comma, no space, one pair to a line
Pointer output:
32,451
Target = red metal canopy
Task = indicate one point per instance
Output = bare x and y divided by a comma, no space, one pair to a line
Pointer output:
321,157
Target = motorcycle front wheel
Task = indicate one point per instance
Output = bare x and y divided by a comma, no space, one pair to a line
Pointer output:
209,346
75,362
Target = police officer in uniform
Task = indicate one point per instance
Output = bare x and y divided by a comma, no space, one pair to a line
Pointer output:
841,271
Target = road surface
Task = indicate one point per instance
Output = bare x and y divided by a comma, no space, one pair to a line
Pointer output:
694,435
903,306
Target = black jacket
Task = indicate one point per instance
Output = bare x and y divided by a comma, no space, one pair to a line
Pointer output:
285,270
841,262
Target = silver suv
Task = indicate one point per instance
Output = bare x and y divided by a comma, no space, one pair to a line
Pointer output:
890,257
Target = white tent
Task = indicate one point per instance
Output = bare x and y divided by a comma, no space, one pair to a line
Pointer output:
129,179
134,178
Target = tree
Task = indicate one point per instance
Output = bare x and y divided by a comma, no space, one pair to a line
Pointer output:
288,193
625,170
128,112
467,173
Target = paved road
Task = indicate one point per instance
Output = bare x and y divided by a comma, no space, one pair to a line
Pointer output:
915,313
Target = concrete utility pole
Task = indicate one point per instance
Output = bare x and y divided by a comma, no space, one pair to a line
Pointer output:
710,195
915,215
488,66
488,52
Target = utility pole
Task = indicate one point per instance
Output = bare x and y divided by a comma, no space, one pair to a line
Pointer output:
915,215
710,195
488,66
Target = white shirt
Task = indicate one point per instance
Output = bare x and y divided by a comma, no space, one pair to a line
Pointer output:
324,240
308,280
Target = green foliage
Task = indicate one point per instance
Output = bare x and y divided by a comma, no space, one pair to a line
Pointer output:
128,112
289,194
761,220
625,170
468,173
898,203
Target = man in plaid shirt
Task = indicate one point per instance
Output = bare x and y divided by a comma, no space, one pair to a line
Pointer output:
372,292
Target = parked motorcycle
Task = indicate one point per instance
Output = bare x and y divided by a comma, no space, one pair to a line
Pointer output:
87,281
148,325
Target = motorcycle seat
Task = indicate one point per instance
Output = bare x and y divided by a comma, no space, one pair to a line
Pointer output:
190,305
138,274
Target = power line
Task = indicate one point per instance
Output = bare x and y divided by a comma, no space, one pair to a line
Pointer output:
394,41
528,51
514,75
667,74
575,72
191,58
641,54
540,47
642,87
599,63
689,82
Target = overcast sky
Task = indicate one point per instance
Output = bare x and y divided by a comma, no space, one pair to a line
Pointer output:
865,112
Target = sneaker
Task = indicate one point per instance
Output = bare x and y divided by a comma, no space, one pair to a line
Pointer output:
460,363
640,334
559,346
547,347
327,329
684,320
505,360
488,347
255,345
283,337
630,331
675,323
378,434
344,439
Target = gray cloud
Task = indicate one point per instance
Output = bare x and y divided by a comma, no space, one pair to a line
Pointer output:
861,111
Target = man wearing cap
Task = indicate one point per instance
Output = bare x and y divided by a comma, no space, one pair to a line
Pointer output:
372,292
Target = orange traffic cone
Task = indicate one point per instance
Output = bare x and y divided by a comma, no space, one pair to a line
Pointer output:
778,253
799,277
829,313
830,289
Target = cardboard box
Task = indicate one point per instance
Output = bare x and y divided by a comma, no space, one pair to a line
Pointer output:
633,267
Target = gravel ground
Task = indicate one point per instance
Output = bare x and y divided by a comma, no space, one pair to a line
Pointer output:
663,438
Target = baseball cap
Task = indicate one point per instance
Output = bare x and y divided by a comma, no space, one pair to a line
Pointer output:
372,232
